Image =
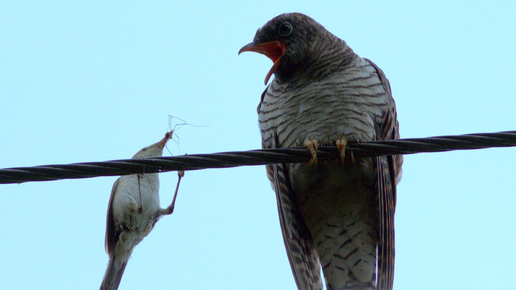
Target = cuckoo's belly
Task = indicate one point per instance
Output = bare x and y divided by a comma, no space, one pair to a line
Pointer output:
331,193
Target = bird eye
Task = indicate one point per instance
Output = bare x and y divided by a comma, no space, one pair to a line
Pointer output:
285,29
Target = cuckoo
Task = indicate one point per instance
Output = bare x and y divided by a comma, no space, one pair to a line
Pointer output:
335,215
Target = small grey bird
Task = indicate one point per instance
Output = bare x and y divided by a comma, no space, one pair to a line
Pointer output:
133,211
338,215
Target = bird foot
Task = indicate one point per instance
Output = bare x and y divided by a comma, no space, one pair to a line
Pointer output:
312,146
170,208
341,146
140,206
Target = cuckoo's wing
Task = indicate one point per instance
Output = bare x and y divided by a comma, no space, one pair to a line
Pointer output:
303,259
388,168
386,205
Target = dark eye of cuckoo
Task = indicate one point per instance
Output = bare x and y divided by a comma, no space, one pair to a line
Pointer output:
285,29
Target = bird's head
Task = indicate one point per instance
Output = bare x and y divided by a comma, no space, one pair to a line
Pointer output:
291,41
154,150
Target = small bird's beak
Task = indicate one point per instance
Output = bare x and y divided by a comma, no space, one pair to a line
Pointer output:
161,144
273,50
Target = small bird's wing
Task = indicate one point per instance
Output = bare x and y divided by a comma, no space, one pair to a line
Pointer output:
387,170
111,234
301,253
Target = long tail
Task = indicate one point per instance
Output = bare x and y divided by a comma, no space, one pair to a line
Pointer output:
113,275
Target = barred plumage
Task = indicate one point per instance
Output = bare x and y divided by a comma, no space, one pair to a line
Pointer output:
336,216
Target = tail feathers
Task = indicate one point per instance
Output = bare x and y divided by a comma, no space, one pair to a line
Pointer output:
113,274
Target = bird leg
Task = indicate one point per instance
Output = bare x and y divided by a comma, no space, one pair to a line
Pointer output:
341,146
170,209
312,146
140,207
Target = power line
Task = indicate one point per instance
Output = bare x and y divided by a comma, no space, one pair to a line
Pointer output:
254,157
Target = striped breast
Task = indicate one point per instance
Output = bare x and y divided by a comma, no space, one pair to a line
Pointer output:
345,104
337,202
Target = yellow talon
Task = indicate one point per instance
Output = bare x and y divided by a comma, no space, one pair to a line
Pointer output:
341,146
312,146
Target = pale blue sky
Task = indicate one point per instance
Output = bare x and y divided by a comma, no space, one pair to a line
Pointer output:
95,80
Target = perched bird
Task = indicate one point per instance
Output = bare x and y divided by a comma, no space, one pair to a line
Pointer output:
337,215
132,212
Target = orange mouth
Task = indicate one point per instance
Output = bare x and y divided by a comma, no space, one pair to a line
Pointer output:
273,50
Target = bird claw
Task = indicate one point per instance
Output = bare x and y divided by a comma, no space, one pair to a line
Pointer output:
170,208
312,147
341,146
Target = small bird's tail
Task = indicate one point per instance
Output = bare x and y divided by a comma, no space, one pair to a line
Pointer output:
113,275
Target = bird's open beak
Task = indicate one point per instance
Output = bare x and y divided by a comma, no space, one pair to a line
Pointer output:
273,50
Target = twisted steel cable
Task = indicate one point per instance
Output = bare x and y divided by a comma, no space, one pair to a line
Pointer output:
255,157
